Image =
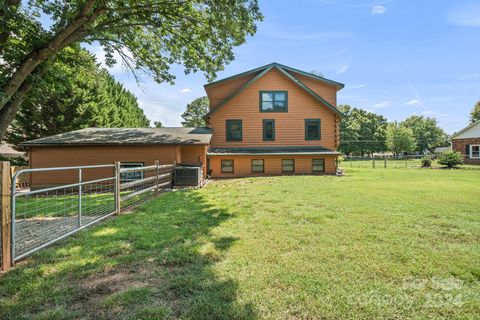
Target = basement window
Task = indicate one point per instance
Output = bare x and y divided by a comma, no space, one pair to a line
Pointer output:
288,165
318,165
227,166
257,165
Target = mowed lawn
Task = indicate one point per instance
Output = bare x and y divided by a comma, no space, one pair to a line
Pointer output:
374,244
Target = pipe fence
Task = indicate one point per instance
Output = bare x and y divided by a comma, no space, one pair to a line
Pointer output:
34,218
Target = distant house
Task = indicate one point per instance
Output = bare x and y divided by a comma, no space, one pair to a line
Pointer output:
467,142
440,150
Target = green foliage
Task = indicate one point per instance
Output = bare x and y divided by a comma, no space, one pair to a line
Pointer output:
450,159
426,161
149,36
15,161
427,133
75,93
158,124
400,139
361,131
188,254
195,113
475,114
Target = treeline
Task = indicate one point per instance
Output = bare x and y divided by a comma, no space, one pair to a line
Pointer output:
364,133
74,93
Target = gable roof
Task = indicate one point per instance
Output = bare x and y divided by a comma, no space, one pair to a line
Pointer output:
126,136
453,136
284,70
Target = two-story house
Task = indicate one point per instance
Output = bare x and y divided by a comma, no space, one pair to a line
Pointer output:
269,120
273,120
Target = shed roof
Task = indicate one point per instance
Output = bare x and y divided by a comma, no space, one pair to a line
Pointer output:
294,150
126,136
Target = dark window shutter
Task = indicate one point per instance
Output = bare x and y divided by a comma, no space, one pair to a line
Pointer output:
467,151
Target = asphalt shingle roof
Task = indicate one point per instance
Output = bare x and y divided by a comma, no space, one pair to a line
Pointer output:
300,150
127,136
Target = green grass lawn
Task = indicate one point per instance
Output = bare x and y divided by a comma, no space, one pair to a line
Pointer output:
377,243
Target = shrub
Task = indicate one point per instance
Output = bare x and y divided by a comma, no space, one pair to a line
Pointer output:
426,161
450,159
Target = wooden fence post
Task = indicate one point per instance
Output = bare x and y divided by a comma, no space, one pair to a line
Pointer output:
157,172
117,188
373,163
5,204
173,173
385,162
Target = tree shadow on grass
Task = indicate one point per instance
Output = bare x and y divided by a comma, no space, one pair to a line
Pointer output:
156,263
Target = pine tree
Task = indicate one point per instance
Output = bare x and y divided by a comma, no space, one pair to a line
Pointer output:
196,112
75,93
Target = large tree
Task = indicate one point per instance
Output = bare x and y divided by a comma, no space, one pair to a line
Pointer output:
475,114
148,35
74,93
361,131
194,115
399,138
427,133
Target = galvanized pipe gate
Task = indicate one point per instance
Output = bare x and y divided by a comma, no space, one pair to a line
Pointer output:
41,217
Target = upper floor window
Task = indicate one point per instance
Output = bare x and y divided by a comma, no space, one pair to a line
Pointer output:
312,129
273,101
234,130
268,130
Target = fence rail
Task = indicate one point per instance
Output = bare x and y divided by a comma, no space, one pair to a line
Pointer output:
37,218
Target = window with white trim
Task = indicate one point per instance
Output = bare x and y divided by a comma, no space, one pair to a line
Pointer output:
475,151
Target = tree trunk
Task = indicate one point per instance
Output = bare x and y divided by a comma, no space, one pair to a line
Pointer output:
7,114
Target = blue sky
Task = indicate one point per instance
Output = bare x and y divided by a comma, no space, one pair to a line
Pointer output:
396,58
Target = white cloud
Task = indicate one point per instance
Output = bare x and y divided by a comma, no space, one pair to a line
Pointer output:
343,69
358,86
470,76
467,15
186,90
382,104
158,112
427,113
376,10
413,102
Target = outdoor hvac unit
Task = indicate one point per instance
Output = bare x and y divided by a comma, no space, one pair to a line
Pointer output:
188,176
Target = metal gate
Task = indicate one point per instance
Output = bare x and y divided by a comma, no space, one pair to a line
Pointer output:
43,216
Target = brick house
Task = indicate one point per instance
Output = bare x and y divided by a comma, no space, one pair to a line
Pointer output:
467,142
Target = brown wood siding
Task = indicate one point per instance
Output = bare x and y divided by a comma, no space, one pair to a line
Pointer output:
217,93
272,165
193,154
289,126
325,91
44,157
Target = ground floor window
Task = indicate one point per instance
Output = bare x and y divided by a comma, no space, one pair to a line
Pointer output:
132,175
227,166
288,165
318,165
257,165
475,151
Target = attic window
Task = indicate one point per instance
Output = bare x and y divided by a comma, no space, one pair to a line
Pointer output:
273,101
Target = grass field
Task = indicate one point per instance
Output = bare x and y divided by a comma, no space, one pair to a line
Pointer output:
373,244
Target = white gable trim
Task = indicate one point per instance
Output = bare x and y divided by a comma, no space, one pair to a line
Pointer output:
472,131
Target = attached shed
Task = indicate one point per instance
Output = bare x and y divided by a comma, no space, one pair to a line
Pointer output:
131,146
